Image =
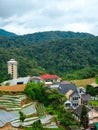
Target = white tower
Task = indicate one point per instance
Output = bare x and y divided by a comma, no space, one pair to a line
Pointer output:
12,68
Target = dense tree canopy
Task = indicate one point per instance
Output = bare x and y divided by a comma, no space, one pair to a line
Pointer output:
43,94
67,54
84,117
93,91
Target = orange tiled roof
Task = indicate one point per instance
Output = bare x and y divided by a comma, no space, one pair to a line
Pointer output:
49,76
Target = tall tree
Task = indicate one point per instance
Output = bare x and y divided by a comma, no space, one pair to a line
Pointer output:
22,117
84,117
37,125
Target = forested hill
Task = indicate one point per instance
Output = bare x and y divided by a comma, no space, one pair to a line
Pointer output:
40,37
70,57
6,33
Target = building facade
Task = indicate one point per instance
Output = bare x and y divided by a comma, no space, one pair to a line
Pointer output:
12,68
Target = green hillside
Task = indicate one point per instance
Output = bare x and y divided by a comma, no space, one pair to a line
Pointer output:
6,33
72,56
41,37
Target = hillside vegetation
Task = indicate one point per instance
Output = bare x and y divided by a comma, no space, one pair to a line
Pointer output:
70,55
6,33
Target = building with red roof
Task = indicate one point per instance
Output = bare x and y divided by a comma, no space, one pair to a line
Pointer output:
50,79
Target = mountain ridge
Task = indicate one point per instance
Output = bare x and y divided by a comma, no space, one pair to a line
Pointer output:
57,32
40,37
6,33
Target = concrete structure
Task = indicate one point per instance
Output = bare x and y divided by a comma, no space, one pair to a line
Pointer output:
12,68
23,80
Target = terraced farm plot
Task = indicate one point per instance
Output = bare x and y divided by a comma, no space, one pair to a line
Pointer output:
11,102
10,107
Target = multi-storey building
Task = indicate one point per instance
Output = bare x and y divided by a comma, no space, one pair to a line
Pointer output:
12,68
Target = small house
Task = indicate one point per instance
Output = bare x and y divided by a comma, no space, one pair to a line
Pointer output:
50,79
71,93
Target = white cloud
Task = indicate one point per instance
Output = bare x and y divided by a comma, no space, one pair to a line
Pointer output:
28,16
79,27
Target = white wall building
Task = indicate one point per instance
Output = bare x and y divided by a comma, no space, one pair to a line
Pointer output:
17,81
12,68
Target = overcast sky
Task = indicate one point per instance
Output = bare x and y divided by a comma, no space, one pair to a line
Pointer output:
29,16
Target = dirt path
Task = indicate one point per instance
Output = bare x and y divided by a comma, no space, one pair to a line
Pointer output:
9,127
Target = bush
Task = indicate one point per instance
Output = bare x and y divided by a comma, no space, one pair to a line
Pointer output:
7,83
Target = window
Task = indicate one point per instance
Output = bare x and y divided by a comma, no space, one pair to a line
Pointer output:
75,98
75,104
19,82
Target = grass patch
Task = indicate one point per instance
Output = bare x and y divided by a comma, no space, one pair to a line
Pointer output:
93,103
96,79
83,82
30,128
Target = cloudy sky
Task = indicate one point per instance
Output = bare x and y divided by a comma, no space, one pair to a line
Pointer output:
29,16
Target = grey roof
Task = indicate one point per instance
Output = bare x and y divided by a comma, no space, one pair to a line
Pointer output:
96,108
36,79
78,110
65,82
74,94
85,97
64,88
